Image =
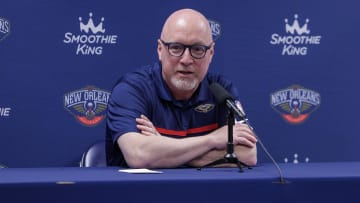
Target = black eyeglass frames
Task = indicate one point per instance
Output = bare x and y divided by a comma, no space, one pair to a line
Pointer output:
177,49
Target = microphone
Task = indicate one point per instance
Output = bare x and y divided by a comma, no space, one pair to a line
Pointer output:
224,97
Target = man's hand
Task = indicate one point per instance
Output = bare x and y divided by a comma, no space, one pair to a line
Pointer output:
145,126
243,135
245,148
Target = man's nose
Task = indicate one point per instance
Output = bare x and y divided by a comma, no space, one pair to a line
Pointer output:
186,57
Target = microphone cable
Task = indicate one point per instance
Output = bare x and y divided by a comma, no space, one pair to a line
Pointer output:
281,176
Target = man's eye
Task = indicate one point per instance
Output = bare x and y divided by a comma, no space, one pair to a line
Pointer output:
198,49
176,47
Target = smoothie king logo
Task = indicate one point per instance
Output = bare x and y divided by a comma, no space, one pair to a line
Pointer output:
93,37
4,28
5,111
297,39
88,105
295,103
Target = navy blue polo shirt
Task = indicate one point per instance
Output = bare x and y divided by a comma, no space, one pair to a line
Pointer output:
145,92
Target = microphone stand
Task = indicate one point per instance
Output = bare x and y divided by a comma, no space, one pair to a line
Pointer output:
230,156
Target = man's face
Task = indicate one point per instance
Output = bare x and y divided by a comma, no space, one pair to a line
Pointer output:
184,73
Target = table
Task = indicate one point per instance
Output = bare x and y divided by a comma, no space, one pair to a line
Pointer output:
307,182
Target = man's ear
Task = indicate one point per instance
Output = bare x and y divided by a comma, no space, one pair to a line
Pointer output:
159,48
212,51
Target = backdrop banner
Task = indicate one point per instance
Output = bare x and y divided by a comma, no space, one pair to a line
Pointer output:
295,63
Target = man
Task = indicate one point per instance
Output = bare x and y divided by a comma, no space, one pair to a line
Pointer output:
164,116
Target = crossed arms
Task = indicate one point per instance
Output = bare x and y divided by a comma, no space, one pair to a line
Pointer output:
148,149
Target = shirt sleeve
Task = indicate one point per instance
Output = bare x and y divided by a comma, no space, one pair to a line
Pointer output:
126,103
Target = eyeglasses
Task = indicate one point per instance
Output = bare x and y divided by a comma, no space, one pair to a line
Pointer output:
197,51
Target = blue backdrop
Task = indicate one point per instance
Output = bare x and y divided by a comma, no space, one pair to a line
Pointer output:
296,64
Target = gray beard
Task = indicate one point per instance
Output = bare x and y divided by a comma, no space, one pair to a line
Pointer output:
184,84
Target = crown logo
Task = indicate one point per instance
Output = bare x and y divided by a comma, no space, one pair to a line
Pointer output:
296,27
90,25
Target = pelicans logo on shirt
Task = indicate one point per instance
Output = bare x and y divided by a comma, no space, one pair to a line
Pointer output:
204,108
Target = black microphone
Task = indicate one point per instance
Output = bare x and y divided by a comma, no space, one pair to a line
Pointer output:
224,97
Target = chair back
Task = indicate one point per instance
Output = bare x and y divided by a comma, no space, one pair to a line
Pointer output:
94,156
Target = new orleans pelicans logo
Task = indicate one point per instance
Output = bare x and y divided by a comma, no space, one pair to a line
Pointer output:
88,105
295,103
204,108
4,28
215,29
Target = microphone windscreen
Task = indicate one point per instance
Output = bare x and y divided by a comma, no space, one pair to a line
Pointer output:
220,93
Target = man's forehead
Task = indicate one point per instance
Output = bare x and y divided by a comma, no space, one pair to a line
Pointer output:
187,29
